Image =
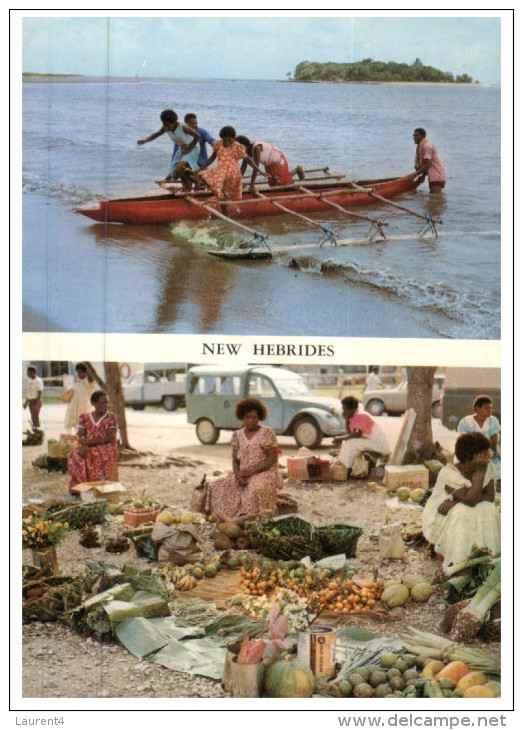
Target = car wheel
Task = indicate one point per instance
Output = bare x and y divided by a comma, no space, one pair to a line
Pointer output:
207,432
437,410
375,407
170,403
139,407
307,433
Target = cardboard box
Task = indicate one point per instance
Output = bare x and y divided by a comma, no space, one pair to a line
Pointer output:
414,476
297,468
89,491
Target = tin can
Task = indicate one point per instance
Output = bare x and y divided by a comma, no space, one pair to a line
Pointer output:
316,649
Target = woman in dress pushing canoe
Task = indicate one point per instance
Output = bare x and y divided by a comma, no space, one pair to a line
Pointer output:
225,180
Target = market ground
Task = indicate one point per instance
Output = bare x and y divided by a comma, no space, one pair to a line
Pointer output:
57,663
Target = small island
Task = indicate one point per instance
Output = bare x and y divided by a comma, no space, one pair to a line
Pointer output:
376,72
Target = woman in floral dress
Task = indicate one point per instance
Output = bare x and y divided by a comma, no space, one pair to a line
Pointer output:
255,479
96,458
225,180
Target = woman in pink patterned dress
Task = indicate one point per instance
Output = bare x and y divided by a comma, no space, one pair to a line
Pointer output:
255,479
225,180
96,457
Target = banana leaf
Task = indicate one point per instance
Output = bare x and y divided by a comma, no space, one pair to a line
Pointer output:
139,637
119,611
198,656
151,606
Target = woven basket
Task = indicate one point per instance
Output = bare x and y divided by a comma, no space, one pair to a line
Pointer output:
78,515
336,539
49,599
134,516
294,539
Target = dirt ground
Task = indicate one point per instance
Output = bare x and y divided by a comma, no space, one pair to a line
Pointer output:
57,663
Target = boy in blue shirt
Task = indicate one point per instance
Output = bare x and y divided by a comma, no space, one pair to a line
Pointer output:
191,120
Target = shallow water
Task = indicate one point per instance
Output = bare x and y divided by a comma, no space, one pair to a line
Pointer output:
85,277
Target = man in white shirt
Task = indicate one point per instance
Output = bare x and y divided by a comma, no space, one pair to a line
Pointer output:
33,396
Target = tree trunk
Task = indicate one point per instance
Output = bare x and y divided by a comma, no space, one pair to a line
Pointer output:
419,397
114,390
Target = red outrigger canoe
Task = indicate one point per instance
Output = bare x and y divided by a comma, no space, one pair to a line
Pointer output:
313,195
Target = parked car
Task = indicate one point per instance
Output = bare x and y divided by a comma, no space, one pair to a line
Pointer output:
212,392
155,388
394,400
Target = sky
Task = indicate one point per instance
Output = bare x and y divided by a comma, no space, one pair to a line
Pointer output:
253,47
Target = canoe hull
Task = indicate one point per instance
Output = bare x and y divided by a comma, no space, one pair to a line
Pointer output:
162,209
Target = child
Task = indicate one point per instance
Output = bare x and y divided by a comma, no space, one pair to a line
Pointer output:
226,180
186,138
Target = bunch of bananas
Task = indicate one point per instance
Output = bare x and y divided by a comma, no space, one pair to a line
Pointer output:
176,578
186,583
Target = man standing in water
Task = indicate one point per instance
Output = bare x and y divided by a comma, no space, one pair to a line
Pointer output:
427,162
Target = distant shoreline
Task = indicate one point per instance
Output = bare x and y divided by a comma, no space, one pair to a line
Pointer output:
78,79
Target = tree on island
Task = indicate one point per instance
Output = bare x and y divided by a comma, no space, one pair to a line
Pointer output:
377,71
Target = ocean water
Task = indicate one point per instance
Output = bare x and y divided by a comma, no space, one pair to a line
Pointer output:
79,146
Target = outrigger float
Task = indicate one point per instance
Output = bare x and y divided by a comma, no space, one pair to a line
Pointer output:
316,194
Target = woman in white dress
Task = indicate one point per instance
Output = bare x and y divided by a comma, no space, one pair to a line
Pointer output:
83,388
460,514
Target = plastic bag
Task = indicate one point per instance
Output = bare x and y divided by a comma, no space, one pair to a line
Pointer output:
391,543
360,468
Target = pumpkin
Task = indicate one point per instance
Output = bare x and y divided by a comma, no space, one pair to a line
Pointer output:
288,677
453,670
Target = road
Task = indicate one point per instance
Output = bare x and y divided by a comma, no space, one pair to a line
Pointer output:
164,432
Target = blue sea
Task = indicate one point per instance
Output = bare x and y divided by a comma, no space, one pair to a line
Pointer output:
79,146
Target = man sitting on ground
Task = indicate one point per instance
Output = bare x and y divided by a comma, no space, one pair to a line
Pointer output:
363,434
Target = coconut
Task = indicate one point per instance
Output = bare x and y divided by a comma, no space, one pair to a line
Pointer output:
231,529
222,542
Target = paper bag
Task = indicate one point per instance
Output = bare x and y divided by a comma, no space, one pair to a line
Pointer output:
178,546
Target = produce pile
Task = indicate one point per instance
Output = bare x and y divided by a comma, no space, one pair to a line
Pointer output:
400,673
322,589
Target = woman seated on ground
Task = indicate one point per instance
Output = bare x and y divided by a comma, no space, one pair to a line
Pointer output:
251,488
460,513
96,457
225,180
